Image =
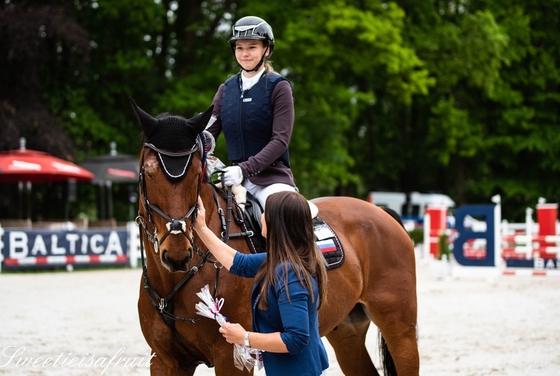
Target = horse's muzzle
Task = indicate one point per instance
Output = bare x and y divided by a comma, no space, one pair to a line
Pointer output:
175,265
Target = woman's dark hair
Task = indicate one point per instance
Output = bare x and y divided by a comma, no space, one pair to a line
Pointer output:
290,241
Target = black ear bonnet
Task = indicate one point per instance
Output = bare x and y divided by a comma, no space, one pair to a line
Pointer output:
173,138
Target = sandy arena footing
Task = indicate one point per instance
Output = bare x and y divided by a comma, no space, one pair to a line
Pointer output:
505,325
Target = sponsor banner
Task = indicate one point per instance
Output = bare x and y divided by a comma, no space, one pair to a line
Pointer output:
536,263
77,247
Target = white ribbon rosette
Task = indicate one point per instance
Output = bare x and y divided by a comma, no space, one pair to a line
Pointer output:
210,307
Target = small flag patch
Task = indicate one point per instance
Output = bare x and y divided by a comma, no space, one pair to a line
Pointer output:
327,242
326,245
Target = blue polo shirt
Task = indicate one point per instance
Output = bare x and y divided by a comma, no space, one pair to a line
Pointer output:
295,318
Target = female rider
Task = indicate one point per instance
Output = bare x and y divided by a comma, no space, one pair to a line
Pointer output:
255,110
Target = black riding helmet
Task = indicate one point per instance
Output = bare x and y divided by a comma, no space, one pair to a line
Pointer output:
256,28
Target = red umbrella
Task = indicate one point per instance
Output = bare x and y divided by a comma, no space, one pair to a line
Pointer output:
25,165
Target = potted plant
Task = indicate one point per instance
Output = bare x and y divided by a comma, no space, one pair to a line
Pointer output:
441,265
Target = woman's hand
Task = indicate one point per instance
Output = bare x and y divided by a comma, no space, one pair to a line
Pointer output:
200,222
223,252
233,333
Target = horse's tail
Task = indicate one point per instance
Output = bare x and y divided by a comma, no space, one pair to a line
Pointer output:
395,215
385,356
387,361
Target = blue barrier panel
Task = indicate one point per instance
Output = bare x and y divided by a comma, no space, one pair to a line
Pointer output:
537,263
36,248
467,234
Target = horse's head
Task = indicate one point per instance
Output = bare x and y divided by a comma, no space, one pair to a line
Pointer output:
171,168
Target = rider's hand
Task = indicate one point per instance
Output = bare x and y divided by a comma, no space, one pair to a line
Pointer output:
233,175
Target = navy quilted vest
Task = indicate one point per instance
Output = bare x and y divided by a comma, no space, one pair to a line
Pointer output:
247,117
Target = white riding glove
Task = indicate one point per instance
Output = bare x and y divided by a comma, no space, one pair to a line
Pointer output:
233,175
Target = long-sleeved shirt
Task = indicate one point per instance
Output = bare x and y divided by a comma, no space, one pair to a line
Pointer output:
295,317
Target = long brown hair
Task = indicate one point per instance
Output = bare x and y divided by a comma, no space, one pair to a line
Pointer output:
290,243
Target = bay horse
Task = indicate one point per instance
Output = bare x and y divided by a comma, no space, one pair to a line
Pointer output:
376,283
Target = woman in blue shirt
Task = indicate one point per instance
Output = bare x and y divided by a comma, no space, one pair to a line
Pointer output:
290,286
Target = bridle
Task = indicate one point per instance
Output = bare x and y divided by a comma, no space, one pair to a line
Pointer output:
174,227
164,305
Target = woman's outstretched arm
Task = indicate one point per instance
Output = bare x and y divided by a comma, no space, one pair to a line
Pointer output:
223,252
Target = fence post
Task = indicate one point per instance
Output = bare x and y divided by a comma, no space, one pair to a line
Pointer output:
1,247
133,243
438,224
547,215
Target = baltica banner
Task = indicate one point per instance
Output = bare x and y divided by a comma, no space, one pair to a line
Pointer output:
44,247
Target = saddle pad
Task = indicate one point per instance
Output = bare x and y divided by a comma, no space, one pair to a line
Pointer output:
328,244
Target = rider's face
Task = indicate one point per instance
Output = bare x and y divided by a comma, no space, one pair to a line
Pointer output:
249,53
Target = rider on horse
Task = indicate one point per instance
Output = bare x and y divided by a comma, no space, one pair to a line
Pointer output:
255,111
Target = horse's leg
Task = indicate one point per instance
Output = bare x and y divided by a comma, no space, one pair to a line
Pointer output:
348,340
395,316
159,368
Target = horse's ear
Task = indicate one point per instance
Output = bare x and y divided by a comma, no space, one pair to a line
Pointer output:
147,121
199,122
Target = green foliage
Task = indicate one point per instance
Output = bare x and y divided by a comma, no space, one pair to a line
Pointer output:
480,121
416,235
444,251
339,57
460,97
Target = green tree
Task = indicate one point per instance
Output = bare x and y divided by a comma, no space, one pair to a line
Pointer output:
39,43
342,59
457,96
494,66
